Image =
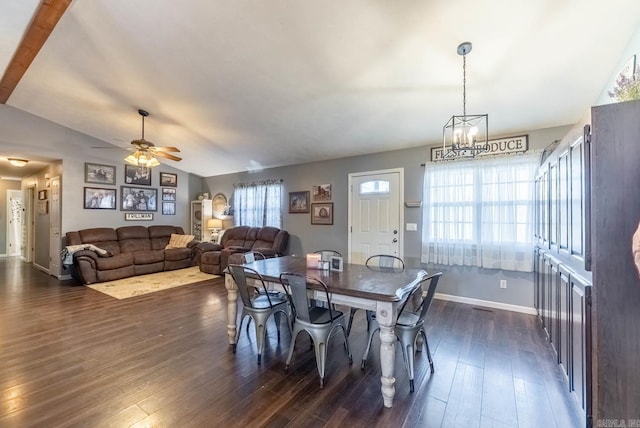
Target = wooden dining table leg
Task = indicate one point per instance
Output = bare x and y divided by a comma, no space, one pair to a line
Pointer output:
385,315
232,308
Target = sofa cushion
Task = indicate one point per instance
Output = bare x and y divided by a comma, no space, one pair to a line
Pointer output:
102,237
235,236
133,239
266,237
148,256
115,262
174,254
179,241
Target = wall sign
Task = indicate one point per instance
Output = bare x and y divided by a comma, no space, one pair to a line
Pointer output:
138,216
502,146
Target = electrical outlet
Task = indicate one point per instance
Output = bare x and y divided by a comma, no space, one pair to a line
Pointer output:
503,283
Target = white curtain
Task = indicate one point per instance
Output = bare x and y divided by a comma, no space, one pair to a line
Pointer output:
258,204
480,212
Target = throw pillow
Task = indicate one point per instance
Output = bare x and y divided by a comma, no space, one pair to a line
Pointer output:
179,241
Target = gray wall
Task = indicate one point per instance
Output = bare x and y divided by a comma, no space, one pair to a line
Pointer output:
463,282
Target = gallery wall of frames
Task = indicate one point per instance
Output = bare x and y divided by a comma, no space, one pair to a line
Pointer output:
138,199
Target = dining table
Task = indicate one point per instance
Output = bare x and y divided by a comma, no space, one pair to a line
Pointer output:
367,287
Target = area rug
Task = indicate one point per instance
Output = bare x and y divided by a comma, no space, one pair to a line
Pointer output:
145,284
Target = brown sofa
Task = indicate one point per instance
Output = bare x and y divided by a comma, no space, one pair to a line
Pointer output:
270,241
130,251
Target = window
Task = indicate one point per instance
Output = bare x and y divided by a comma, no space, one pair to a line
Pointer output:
258,204
480,213
374,186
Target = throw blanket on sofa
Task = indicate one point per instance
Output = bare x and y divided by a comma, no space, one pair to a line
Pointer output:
69,250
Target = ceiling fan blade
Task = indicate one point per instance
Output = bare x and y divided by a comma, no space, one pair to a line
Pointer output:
166,149
168,156
108,147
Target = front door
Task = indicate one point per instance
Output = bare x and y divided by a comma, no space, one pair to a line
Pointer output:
375,216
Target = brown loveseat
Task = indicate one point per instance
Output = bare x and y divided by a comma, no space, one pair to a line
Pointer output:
270,241
130,250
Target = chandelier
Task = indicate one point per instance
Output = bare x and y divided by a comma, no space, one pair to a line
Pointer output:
466,135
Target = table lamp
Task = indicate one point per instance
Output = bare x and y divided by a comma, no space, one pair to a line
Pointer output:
214,225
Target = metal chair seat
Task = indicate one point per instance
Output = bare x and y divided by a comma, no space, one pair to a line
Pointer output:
320,315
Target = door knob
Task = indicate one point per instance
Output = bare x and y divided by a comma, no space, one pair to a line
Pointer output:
395,232
395,240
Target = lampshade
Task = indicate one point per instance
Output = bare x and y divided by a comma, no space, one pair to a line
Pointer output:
17,162
214,223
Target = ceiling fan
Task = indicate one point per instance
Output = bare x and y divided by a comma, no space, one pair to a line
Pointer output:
145,151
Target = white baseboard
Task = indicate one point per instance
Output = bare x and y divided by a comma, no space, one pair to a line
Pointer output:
3,256
64,277
486,303
42,268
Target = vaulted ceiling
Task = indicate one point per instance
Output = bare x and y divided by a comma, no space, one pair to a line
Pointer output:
240,85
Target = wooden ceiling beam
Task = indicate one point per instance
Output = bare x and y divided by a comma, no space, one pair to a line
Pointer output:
42,24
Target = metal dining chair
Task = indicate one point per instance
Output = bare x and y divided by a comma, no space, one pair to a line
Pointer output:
410,323
318,322
250,257
258,306
382,261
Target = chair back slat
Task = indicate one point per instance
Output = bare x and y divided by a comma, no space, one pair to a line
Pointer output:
296,286
239,274
404,293
431,291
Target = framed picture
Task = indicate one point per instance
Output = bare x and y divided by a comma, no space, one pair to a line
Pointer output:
99,174
168,179
137,175
138,216
169,208
321,192
299,202
42,194
138,199
336,263
43,207
168,194
97,198
322,213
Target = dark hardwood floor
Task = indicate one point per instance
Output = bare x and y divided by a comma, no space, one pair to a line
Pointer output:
72,356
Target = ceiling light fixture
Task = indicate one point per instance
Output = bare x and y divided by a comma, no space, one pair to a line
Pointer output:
143,156
17,162
466,135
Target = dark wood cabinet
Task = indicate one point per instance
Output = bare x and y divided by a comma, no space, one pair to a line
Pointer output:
615,208
587,286
562,281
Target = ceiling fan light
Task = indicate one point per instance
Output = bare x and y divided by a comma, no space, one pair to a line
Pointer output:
152,162
17,162
131,159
